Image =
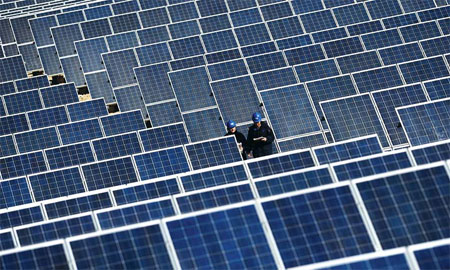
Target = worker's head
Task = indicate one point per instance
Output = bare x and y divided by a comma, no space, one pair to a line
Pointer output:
231,126
256,117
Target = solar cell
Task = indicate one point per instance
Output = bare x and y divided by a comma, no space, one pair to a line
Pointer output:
89,52
433,257
32,83
163,137
207,239
30,56
152,54
276,11
40,27
445,26
219,41
420,31
266,62
378,78
161,163
20,216
316,21
6,240
433,14
281,163
38,139
13,124
304,54
415,201
154,82
23,101
136,213
130,98
109,173
50,60
146,248
70,17
59,94
10,50
48,117
237,4
187,63
97,28
53,230
14,192
414,5
98,12
12,68
119,66
353,117
397,261
164,113
87,109
7,88
69,155
64,37
117,146
73,71
303,235
274,78
154,17
260,48
47,256
7,146
21,29
305,6
99,86
363,28
431,153
125,7
122,123
316,70
80,131
351,14
301,142
426,122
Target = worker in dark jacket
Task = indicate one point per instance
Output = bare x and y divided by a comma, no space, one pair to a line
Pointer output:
260,137
240,138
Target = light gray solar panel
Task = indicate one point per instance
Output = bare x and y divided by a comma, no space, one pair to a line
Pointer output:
203,125
164,113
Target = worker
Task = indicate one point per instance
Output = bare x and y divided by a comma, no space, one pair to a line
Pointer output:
240,138
260,137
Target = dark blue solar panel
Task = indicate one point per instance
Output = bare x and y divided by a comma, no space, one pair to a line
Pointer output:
226,70
64,37
186,47
388,262
88,109
153,35
206,238
73,71
219,41
358,62
258,49
331,34
154,82
408,208
445,25
12,68
122,41
163,137
303,235
428,122
125,7
56,230
280,164
30,56
238,4
276,11
436,46
433,14
362,28
203,125
351,14
256,33
401,53
184,29
285,28
146,248
432,153
304,6
130,99
7,146
122,23
32,83
317,21
400,20
78,205
70,155
301,142
152,54
23,102
186,63
70,17
353,117
337,3
41,30
6,241
215,23
154,17
98,12
281,103
7,88
14,192
50,60
122,123
48,117
383,8
424,70
164,113
120,67
245,17
292,182
37,139
343,47
292,42
109,173
12,124
183,12
116,146
433,258
59,95
387,101
19,165
20,217
414,5
146,191
135,214
80,131
420,31
99,86
275,78
304,54
376,79
316,70
49,257
2,108
266,62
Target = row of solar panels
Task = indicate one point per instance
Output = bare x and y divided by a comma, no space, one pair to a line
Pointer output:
330,222
14,9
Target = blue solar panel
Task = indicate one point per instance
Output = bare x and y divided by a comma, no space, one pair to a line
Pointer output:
258,49
303,236
7,146
153,35
207,239
186,47
50,60
99,86
73,71
61,229
47,257
291,42
424,69
184,29
431,153
266,62
316,21
186,63
30,56
12,68
351,14
119,66
281,163
164,113
215,23
408,208
125,7
358,62
86,110
41,30
14,192
433,258
379,78
256,33
96,28
13,123
286,27
420,31
316,70
401,53
445,26
438,88
275,78
282,102
397,21
146,247
122,123
23,216
161,163
302,142
293,181
98,12
304,6
80,131
388,100
32,83
85,203
331,34
70,17
414,5
129,99
183,12
426,122
147,191
137,213
23,102
154,82
237,4
37,139
59,95
436,46
152,54
163,137
435,13
19,165
237,98
154,17
89,52
245,17
48,117
389,262
219,41
211,7
6,240
64,37
70,155
383,8
363,28
304,54
343,47
8,88
116,146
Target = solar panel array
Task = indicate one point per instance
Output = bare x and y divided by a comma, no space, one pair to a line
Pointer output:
357,94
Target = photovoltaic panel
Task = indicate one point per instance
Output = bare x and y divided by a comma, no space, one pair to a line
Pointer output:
48,117
281,163
358,62
30,57
154,82
117,146
300,245
2,108
23,102
72,206
186,47
445,26
245,17
431,153
6,241
187,63
99,86
260,48
153,35
372,165
327,35
294,181
7,146
122,123
304,54
274,78
87,109
59,95
420,31
184,29
40,28
73,71
96,28
284,102
137,213
397,21
8,88
435,257
436,46
70,155
290,42
154,17
129,99
389,262
376,79
161,163
382,39
38,139
50,60
70,17
237,98
388,100
13,123
19,165
80,131
316,21
438,88
435,13
409,207
343,47
125,7
22,216
266,61
302,142
422,70
98,12
401,53
89,52
14,192
45,232
415,5
227,69
146,248
164,113
183,12
210,7
426,122
207,239
119,66
383,8
42,257
316,70
148,4
351,14
152,54
214,23
21,29
163,137
32,83
64,37
252,34
305,6
142,192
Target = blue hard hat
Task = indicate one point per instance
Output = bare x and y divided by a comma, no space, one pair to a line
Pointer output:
256,117
231,124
